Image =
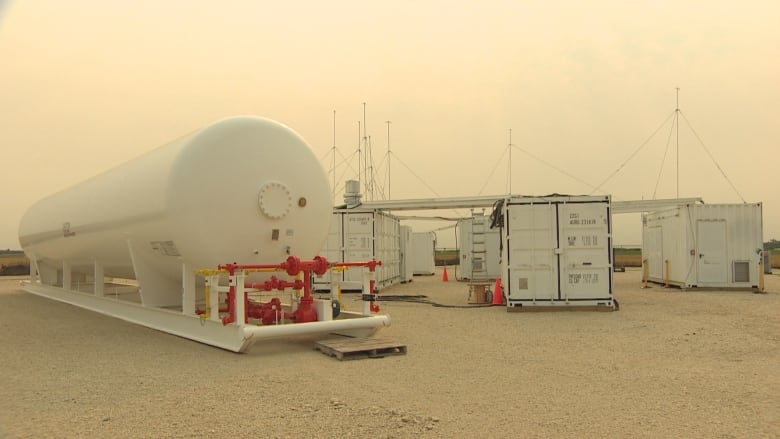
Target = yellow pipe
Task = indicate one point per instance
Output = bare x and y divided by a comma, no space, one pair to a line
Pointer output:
209,272
261,270
207,312
667,273
761,276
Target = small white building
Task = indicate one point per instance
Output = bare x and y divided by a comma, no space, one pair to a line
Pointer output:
424,253
704,245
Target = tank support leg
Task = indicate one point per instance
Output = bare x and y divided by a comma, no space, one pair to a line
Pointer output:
66,276
99,280
188,289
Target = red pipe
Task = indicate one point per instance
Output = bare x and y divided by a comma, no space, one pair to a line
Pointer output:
231,317
274,284
292,266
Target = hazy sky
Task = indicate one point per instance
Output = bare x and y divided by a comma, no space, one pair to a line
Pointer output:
87,85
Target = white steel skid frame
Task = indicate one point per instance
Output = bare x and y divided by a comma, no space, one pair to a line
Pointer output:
213,328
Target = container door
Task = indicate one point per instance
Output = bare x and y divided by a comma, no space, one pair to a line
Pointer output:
387,232
333,251
493,257
585,259
711,251
532,240
464,242
358,242
653,252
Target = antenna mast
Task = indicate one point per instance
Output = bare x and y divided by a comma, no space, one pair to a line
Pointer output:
334,157
510,161
365,158
677,121
360,163
388,158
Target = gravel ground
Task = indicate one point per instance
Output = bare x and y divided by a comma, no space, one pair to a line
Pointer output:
668,364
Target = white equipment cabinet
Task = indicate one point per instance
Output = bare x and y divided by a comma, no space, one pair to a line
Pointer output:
424,253
704,245
557,251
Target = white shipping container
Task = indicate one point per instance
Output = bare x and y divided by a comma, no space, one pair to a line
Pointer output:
359,236
557,251
424,253
480,249
704,245
406,271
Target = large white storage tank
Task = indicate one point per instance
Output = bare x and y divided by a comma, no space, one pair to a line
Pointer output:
243,189
479,246
360,235
557,251
424,253
704,245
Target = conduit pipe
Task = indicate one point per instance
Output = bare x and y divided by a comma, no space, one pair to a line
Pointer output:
370,324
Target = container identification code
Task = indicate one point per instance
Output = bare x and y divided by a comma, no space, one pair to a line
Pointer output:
575,220
585,240
583,278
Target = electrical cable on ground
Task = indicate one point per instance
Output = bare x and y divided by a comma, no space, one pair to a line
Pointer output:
422,299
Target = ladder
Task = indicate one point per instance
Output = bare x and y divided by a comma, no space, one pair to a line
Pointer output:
479,249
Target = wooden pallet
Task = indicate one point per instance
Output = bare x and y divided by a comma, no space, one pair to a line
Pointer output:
357,348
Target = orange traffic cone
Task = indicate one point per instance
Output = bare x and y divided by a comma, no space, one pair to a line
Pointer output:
498,295
444,277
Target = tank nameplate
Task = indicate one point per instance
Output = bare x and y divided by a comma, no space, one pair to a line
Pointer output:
165,248
275,200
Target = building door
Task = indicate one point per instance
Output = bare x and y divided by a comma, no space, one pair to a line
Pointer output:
711,252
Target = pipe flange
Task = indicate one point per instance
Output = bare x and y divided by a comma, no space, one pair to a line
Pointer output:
275,200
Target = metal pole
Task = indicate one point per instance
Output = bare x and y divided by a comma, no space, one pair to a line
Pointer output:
359,162
334,157
510,161
365,156
677,121
388,158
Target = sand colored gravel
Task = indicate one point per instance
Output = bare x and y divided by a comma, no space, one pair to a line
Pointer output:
668,364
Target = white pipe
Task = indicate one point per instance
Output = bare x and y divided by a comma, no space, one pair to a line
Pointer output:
272,331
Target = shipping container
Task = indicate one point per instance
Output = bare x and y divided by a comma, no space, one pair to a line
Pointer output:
704,245
479,247
557,251
423,253
358,236
406,271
